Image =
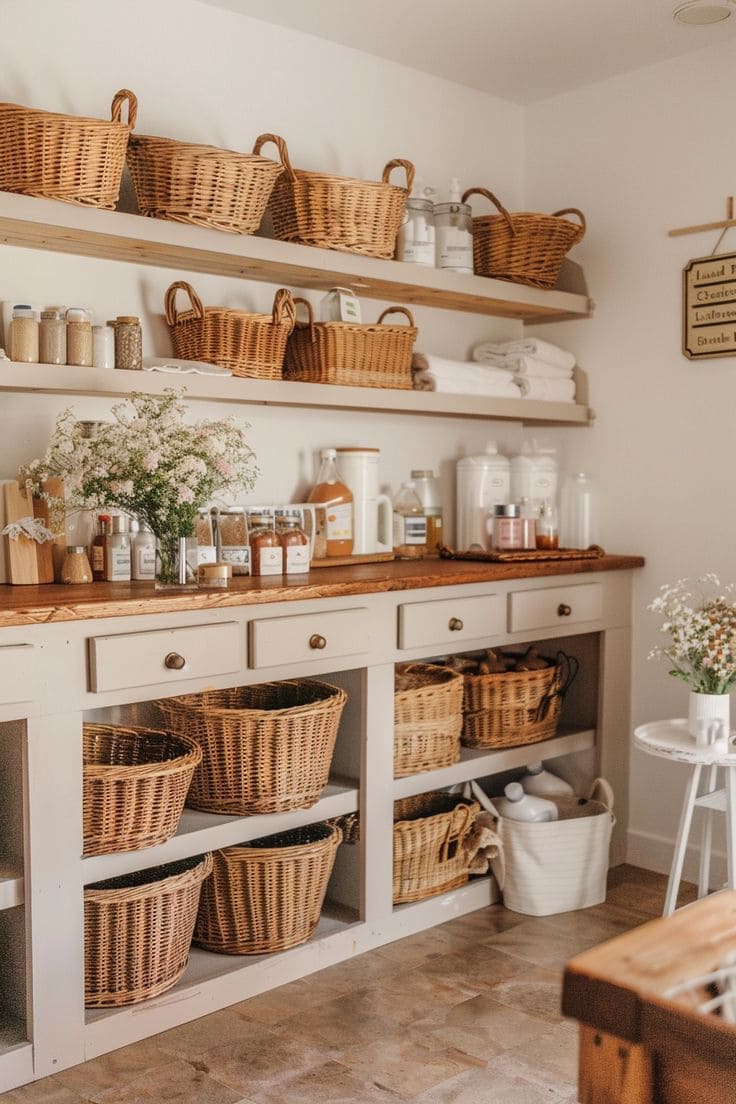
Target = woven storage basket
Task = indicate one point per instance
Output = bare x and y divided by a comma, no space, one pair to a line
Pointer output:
65,157
429,836
248,344
138,930
201,184
338,212
525,247
518,707
352,353
266,748
135,783
266,895
428,718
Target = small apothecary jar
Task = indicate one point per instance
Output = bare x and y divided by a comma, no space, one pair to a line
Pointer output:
266,554
507,535
128,343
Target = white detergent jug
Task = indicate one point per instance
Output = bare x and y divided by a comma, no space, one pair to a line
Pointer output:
534,475
517,805
544,783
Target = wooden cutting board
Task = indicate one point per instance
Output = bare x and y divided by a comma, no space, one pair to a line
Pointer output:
28,561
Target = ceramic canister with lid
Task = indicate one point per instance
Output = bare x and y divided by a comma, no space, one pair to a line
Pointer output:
482,481
372,511
534,475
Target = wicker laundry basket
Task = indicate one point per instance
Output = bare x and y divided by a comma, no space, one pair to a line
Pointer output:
430,831
250,345
338,212
134,786
351,353
428,717
266,895
138,930
525,247
266,748
65,157
200,184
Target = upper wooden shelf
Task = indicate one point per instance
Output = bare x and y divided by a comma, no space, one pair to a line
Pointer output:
113,235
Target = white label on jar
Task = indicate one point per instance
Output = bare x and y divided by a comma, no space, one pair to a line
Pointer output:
268,561
455,256
145,562
409,530
340,521
417,252
118,565
297,559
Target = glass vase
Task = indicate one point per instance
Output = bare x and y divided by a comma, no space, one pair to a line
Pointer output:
175,562
708,716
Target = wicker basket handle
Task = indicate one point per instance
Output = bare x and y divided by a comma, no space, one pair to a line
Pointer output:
458,828
284,308
396,310
116,111
496,203
566,669
310,314
398,163
580,215
172,315
264,139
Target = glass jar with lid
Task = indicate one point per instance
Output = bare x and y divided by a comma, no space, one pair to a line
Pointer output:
128,343
78,338
453,223
415,240
294,542
76,566
507,533
23,335
52,337
266,554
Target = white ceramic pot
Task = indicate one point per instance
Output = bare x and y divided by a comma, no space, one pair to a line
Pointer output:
707,714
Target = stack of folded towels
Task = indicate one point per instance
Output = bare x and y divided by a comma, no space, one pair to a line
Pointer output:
529,368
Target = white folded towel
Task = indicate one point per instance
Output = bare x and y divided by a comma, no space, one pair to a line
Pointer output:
529,346
493,389
467,371
548,390
522,364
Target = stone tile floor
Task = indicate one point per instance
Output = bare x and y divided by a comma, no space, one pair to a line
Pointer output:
467,1013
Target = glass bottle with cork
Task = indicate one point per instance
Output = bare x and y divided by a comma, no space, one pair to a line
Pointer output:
337,498
98,548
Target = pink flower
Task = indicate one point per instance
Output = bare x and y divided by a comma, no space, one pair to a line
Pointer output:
224,468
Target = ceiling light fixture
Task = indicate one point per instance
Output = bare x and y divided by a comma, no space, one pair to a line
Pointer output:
698,13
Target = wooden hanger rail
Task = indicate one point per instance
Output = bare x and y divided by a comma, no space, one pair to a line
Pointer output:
724,224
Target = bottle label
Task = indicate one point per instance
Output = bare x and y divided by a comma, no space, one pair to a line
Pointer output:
144,563
98,557
297,559
409,530
238,556
417,252
118,564
455,256
268,561
340,521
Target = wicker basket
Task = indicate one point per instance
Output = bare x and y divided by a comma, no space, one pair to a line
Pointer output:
248,344
429,836
338,212
428,718
266,748
135,783
351,353
138,930
525,247
517,707
201,184
266,895
65,157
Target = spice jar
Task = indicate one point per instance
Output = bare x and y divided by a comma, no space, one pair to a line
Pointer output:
24,335
76,567
78,338
103,346
215,575
52,337
294,542
128,343
507,528
231,539
266,554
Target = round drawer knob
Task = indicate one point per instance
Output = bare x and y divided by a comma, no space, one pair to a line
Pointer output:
563,610
455,624
317,642
175,662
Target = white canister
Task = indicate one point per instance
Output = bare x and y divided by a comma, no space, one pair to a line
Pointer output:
482,482
534,475
372,512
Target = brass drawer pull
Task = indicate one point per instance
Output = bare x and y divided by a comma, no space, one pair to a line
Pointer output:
563,610
175,662
455,624
317,642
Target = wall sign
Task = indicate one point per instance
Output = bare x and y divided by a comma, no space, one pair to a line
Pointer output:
709,307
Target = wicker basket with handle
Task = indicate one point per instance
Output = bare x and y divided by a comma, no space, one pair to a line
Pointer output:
200,184
525,247
428,717
134,786
138,930
430,832
338,212
350,353
66,157
266,895
266,748
250,345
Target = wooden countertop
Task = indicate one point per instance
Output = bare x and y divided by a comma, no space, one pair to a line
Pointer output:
39,605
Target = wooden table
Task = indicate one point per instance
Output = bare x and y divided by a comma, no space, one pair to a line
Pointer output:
637,1045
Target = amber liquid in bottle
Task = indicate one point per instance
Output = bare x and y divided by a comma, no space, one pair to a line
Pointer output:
337,498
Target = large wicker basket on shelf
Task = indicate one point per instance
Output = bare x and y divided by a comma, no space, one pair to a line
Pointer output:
248,344
525,247
428,717
266,748
266,895
134,786
351,353
138,930
66,157
338,212
430,834
201,184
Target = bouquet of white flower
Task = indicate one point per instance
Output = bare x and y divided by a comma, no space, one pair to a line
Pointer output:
701,625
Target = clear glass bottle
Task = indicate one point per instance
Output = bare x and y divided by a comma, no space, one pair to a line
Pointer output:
78,338
117,558
410,525
507,528
547,533
337,498
415,241
266,554
128,343
76,567
142,553
427,489
453,223
294,542
23,335
578,512
528,524
103,346
52,337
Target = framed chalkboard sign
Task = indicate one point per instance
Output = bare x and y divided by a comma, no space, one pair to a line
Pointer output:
709,307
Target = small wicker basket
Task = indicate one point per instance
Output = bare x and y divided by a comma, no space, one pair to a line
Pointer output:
266,748
430,831
200,184
135,784
351,353
250,345
525,247
66,157
266,895
428,718
338,212
138,930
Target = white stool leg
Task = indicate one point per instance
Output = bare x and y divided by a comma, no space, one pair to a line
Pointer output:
683,832
706,839
731,825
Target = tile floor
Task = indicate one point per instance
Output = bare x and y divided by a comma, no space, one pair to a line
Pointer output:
467,1013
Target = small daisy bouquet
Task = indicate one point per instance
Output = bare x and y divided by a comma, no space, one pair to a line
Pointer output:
700,621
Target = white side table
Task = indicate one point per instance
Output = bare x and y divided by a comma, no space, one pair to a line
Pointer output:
671,740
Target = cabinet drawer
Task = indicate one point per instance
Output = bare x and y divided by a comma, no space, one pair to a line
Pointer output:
450,621
278,640
563,606
166,655
17,670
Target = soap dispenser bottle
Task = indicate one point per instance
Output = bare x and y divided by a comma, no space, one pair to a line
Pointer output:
517,805
544,783
453,223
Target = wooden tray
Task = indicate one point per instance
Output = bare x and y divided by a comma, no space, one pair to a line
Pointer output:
346,561
527,555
